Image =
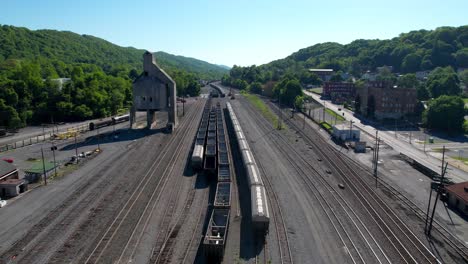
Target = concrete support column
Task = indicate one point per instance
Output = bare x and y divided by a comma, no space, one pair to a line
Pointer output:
172,113
132,116
150,119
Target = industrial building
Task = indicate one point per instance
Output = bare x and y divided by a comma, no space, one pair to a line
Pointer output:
154,90
346,132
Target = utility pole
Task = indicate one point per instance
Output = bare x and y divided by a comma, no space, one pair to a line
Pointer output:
54,148
280,114
323,113
439,188
425,135
43,167
350,128
183,105
304,115
98,136
376,162
396,128
76,149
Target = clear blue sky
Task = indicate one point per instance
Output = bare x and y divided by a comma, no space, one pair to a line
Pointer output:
238,32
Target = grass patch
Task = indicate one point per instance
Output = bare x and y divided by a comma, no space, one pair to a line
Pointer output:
335,115
318,90
262,107
461,159
439,150
326,126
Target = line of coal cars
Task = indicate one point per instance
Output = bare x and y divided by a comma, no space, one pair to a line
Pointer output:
258,199
210,155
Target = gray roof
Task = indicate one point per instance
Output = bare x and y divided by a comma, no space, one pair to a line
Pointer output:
6,168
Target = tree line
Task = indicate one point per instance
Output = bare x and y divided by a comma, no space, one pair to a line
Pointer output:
100,74
441,51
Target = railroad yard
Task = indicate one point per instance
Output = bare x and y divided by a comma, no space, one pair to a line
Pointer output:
225,186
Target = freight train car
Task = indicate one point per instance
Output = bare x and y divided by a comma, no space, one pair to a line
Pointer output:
223,195
99,124
120,119
260,213
215,238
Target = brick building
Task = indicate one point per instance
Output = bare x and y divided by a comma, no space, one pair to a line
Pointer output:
339,92
389,102
457,197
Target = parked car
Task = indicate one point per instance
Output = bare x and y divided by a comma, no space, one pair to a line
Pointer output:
9,160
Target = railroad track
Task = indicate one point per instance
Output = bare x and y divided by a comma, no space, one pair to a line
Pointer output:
331,212
154,200
192,247
410,248
453,241
139,208
58,221
163,251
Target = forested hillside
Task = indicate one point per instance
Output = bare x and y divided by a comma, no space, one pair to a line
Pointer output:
407,53
101,74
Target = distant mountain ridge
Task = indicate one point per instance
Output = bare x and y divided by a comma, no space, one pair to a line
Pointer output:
69,47
409,52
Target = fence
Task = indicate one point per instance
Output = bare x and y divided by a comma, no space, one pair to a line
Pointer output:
42,137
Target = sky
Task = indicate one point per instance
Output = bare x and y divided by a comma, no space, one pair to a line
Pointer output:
240,32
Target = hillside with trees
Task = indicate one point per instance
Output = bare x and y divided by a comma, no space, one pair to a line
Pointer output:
409,52
442,51
100,76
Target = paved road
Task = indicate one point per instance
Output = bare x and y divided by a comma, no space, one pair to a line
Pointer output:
398,144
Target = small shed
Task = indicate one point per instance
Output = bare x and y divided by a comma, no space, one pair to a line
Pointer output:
457,197
36,171
346,133
360,146
12,187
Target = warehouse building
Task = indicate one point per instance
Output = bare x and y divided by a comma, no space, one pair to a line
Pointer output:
457,197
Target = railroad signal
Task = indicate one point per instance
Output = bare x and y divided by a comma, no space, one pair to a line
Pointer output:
53,148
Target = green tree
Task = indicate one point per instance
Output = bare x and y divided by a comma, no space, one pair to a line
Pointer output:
461,58
83,112
8,116
291,90
256,87
445,113
411,63
464,77
299,102
443,81
408,81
